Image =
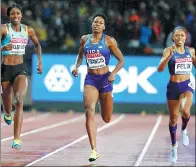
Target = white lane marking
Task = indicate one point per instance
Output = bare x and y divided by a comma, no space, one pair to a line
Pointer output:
77,140
140,157
47,127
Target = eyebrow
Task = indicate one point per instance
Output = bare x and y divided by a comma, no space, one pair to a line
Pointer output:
15,11
99,21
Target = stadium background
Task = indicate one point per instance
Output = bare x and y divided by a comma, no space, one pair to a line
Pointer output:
142,30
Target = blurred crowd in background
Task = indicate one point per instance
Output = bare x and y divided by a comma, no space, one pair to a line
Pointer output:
140,27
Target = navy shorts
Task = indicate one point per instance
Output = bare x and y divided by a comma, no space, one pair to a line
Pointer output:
174,89
10,72
99,81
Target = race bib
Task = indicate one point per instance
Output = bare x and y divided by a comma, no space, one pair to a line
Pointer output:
95,60
18,45
183,65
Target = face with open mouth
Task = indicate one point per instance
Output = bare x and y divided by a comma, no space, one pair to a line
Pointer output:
179,37
15,16
98,25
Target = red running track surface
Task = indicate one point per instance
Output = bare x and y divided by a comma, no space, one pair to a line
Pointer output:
59,139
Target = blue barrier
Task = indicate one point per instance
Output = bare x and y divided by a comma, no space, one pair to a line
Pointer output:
137,82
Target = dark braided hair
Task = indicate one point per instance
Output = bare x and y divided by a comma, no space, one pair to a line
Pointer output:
14,5
103,16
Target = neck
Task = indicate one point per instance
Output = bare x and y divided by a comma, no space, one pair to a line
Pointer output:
180,49
97,35
16,27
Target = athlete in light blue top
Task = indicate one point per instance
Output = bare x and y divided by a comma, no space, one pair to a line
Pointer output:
180,59
14,38
96,48
18,40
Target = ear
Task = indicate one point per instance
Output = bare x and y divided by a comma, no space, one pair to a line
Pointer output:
185,36
172,37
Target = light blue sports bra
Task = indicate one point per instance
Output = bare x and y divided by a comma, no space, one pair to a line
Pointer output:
18,40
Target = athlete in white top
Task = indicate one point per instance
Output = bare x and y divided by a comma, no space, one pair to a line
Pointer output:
14,37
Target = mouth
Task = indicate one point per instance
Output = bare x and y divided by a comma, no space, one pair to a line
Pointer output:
96,28
180,41
16,19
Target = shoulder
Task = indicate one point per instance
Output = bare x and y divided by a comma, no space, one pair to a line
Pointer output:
110,40
3,25
191,49
84,38
4,29
30,29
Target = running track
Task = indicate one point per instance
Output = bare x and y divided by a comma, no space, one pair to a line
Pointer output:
59,139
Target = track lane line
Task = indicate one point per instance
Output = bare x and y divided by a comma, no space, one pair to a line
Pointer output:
141,155
73,120
77,140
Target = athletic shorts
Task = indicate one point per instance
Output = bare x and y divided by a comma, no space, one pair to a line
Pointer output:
10,72
99,81
174,89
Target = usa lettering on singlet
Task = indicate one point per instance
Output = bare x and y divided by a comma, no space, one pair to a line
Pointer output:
183,65
95,59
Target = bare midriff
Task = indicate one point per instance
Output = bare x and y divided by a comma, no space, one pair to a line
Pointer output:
12,59
99,71
179,78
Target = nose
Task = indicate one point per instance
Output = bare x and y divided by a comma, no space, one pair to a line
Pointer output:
14,16
97,24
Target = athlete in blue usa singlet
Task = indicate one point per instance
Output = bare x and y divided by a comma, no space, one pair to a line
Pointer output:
14,37
97,48
97,56
180,60
179,64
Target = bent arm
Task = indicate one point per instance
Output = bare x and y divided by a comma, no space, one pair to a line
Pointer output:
80,55
3,33
37,45
3,30
192,50
117,53
167,53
